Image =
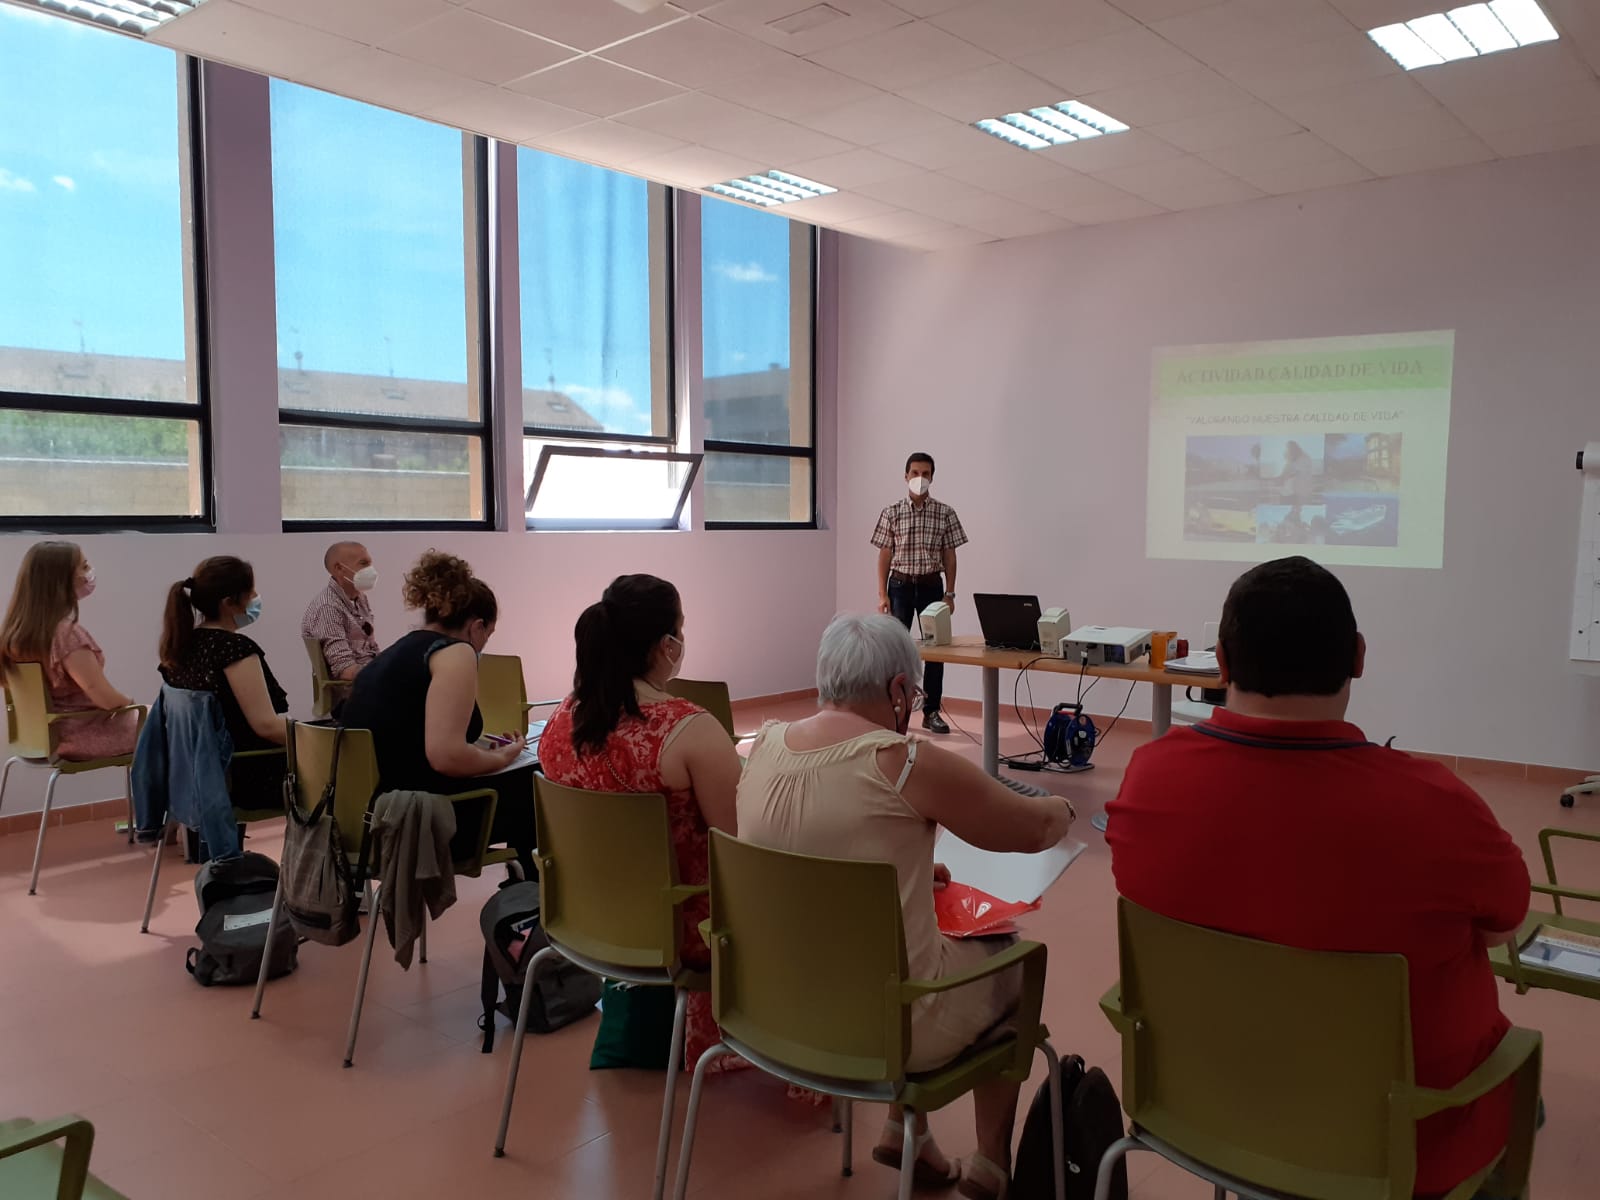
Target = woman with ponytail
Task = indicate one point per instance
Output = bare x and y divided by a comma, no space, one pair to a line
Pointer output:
420,700
203,650
41,626
620,731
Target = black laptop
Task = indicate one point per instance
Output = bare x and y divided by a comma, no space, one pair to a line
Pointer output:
1008,622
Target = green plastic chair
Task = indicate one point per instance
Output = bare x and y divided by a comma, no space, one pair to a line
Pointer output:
711,695
503,694
310,761
35,737
34,1167
809,983
326,691
1511,966
610,902
241,816
1272,1071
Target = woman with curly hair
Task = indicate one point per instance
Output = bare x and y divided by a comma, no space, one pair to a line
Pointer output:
419,699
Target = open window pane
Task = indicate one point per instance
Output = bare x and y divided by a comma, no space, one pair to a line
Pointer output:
91,213
757,489
374,475
369,233
590,487
92,465
592,252
756,304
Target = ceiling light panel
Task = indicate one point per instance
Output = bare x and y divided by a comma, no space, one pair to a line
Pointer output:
1466,32
1051,125
127,16
772,189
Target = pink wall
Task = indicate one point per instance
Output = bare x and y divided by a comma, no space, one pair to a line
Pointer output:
1024,368
754,605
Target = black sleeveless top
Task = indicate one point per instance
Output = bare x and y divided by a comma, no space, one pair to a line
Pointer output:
390,697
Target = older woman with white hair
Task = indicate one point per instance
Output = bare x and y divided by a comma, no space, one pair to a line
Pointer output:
848,783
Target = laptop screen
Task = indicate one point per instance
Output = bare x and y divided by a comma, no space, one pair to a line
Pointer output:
1008,622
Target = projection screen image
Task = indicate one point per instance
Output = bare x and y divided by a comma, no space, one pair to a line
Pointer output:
1331,447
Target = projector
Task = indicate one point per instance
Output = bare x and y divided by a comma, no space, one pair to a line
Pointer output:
1054,625
1106,645
933,623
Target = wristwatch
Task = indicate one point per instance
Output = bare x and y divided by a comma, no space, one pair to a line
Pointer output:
949,595
1071,812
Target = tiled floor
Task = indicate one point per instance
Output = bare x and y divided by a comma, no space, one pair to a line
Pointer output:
192,1099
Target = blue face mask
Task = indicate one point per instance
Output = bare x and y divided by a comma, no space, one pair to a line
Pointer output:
250,615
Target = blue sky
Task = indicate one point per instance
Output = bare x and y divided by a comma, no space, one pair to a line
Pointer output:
368,229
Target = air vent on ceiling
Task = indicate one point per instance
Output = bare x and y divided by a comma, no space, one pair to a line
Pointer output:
807,19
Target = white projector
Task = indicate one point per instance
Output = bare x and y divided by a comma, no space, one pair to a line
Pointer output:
1054,626
1106,645
933,623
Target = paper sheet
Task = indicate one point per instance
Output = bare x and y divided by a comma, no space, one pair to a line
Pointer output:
1022,878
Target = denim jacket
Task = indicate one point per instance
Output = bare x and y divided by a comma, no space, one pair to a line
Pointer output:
180,770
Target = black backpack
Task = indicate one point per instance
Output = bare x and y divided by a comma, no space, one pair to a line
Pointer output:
235,898
1091,1122
563,991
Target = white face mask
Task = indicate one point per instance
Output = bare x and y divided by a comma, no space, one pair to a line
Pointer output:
918,485
677,667
365,579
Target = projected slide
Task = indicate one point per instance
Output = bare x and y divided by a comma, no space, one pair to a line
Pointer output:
1331,447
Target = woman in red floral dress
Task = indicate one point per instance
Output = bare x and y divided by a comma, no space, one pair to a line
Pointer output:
619,731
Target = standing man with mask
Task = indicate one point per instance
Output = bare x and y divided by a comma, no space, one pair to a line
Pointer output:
339,616
917,540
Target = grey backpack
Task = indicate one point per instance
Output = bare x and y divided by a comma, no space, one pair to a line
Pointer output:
235,898
563,991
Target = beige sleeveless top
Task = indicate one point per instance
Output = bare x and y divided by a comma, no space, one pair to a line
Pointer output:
833,802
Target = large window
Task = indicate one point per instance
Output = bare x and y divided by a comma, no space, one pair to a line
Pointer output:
379,240
102,412
757,297
594,258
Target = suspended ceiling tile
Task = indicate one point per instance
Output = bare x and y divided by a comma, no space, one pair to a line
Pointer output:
697,166
895,225
1108,62
496,112
378,77
776,142
1187,182
1012,168
474,47
1170,98
955,237
609,142
987,92
365,21
790,89
806,27
1012,28
903,57
852,168
878,119
584,26
595,86
1107,153
837,208
1275,154
233,33
1307,177
1428,156
693,53
1543,138
1256,122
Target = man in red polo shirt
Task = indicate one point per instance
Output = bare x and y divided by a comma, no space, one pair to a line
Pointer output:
1278,820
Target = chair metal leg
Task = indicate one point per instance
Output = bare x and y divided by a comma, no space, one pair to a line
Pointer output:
5,777
361,979
127,779
848,1168
44,820
155,874
1222,1193
687,1145
516,1046
908,1150
272,927
422,938
838,1120
1115,1153
1057,1119
680,1014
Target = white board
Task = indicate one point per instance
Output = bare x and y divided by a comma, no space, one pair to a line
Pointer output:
1586,590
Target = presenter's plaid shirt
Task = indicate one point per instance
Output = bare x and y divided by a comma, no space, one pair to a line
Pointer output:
919,535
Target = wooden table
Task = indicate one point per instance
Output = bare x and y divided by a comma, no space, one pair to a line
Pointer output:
971,652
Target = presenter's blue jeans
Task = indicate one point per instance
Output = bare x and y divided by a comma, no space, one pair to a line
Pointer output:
906,600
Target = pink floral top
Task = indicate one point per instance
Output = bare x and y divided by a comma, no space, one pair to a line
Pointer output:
65,694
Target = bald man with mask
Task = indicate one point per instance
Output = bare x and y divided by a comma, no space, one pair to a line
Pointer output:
339,616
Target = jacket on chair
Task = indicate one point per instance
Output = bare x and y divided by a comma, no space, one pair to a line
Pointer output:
180,770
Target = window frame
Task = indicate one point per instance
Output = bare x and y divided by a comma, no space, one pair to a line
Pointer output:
773,449
663,209
197,332
673,523
478,291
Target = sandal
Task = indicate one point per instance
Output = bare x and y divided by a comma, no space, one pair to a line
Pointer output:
923,1173
974,1190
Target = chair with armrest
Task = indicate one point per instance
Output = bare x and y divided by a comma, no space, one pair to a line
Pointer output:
311,762
809,983
34,733
1557,926
711,695
1272,1071
326,691
34,1167
610,902
503,694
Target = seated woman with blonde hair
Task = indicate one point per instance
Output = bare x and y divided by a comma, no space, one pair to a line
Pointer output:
41,626
848,783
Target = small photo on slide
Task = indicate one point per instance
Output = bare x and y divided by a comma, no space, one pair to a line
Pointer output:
1362,462
1222,487
1292,525
1363,519
1292,469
